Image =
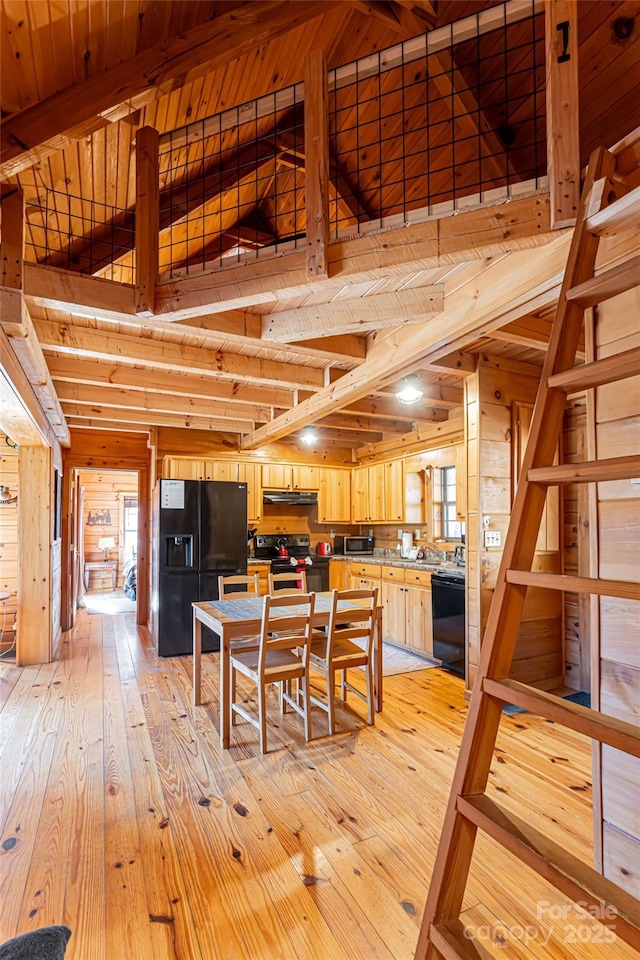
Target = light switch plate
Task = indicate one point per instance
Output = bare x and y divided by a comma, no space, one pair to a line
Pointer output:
492,538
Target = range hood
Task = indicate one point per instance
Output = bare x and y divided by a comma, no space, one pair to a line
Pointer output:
301,497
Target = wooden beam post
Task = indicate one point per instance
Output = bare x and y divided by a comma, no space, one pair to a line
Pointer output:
563,135
147,219
316,148
12,241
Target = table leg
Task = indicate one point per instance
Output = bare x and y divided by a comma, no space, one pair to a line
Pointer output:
114,577
377,663
225,689
197,658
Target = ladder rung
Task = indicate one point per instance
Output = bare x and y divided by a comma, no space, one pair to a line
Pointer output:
619,366
453,942
567,873
559,581
590,471
618,216
616,733
608,284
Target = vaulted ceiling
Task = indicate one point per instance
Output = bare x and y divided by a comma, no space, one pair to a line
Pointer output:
233,354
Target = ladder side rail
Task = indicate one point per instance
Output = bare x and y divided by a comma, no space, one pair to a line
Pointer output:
453,859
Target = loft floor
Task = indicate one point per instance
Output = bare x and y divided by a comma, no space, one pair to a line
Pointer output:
122,817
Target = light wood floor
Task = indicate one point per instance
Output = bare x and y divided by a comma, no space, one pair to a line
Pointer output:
122,818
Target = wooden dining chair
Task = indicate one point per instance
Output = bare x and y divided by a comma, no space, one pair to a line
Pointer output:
236,587
339,651
244,585
288,582
282,656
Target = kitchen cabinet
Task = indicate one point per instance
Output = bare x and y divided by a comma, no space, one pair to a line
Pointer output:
364,576
173,468
338,575
406,608
277,476
304,477
394,491
262,569
334,496
368,494
251,474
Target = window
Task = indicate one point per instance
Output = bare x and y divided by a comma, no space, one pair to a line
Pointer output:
130,528
452,528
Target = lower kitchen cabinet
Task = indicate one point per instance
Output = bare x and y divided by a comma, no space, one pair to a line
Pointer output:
406,614
338,575
263,570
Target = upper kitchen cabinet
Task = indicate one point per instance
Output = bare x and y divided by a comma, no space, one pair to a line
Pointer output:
367,493
277,476
251,474
394,491
173,468
378,493
334,496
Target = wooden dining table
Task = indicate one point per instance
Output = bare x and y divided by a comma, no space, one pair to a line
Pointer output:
240,619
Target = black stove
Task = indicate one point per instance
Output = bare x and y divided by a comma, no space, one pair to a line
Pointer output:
267,546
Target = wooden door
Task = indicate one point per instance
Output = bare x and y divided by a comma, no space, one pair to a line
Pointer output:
221,470
461,483
185,469
305,477
251,474
334,498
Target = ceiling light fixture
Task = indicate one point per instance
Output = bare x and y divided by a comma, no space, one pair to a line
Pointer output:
410,391
309,437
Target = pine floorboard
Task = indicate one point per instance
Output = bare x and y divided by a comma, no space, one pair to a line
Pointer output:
122,817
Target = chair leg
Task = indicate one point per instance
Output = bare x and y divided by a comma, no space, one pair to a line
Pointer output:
331,702
370,717
343,689
262,716
306,706
285,687
232,697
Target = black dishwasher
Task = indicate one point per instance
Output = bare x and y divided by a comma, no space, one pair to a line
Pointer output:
447,593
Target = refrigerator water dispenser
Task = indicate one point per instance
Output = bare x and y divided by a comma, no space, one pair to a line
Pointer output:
179,551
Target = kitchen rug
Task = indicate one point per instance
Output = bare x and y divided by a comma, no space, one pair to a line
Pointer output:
108,603
581,697
396,660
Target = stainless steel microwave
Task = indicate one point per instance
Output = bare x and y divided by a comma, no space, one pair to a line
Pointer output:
353,545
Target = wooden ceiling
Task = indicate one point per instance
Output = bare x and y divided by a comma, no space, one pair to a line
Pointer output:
246,347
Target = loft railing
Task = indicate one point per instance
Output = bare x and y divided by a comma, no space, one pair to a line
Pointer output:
450,119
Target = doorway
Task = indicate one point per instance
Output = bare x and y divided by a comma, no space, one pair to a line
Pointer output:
107,540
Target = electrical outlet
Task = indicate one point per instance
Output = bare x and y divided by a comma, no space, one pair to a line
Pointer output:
399,534
492,538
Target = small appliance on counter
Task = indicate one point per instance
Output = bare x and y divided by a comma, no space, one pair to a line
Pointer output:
346,546
323,549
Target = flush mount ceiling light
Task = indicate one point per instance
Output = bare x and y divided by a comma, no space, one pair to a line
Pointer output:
309,437
410,391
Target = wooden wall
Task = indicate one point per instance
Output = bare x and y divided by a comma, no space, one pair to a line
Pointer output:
500,396
575,525
8,541
614,426
104,491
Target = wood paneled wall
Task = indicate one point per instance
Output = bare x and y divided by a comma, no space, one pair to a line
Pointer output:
8,542
615,423
575,524
498,395
104,493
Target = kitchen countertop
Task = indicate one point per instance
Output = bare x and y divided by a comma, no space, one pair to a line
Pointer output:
444,567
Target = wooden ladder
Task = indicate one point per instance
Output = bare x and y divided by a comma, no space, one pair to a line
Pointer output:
469,807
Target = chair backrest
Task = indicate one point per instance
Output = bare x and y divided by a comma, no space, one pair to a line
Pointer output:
286,624
288,582
355,621
249,585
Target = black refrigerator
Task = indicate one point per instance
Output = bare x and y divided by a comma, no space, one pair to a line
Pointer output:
200,534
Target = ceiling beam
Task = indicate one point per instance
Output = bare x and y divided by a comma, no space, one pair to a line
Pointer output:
506,287
362,424
434,394
423,438
145,351
81,370
357,315
149,400
80,411
485,231
74,112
